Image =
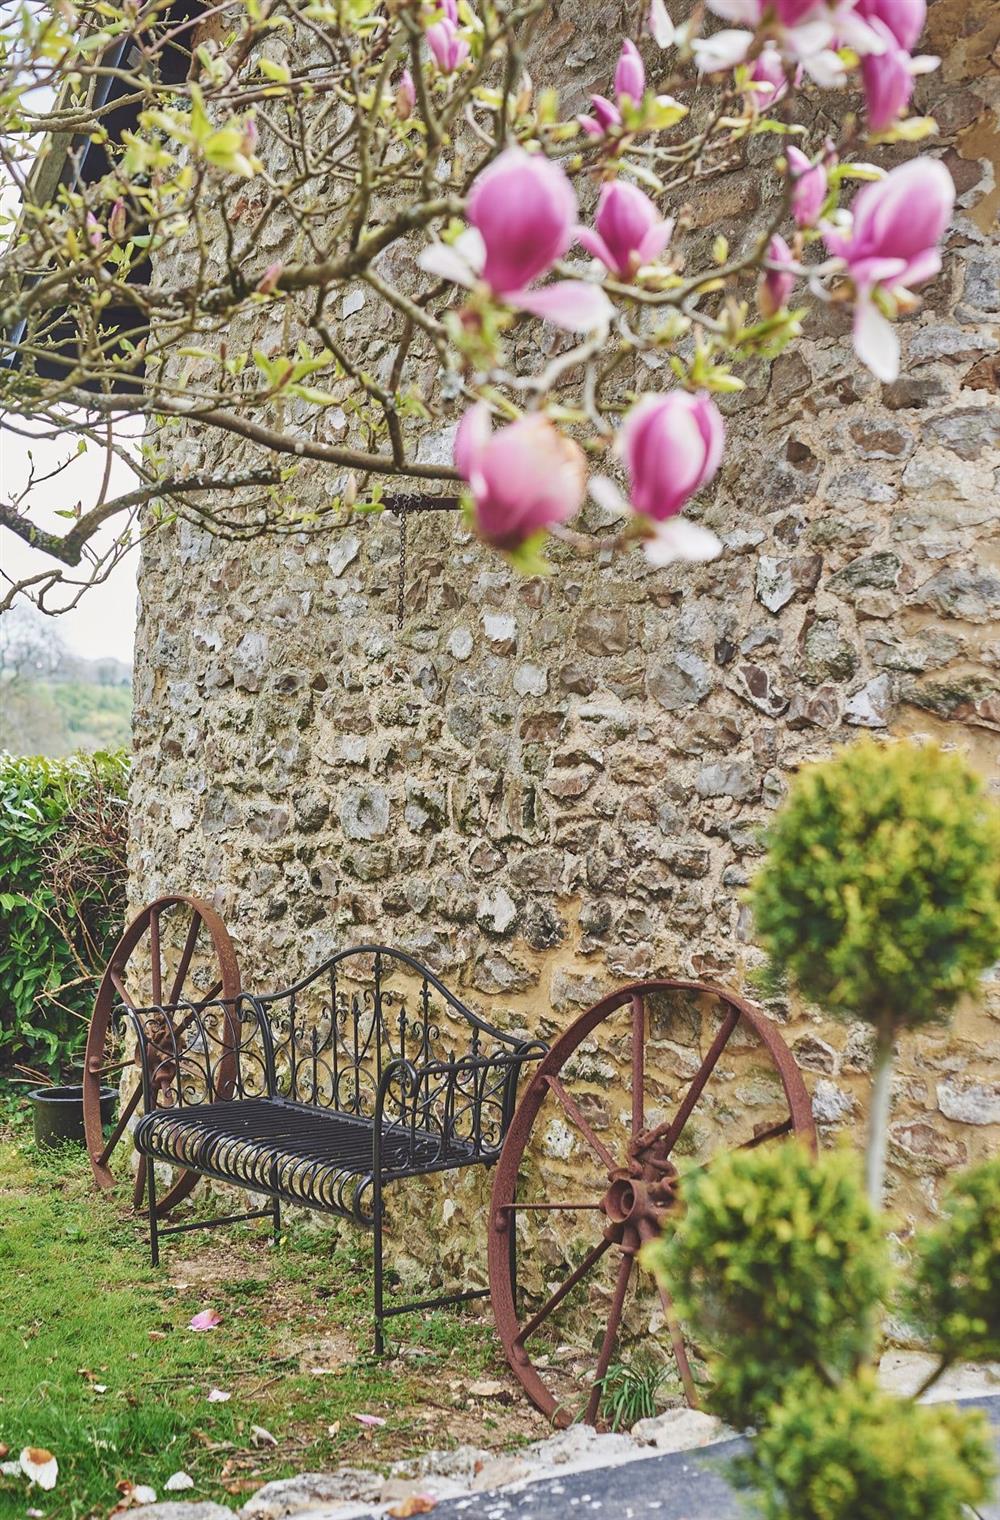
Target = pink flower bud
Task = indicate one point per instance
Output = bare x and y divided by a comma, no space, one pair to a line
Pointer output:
888,80
249,135
628,230
269,279
672,446
809,185
117,220
630,76
605,115
776,285
904,18
523,478
449,49
406,96
524,209
95,232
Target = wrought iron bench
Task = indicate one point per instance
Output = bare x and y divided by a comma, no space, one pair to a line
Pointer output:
365,1072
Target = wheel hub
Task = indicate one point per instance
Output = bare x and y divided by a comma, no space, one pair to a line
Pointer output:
642,1193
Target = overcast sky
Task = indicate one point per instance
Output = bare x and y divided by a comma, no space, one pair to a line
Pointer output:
104,622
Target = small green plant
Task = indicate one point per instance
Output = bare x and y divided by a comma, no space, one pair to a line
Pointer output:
780,1263
62,897
880,895
856,1453
628,1393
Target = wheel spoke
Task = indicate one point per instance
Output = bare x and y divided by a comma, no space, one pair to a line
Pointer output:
185,960
610,1335
669,1132
119,986
197,1008
638,1062
770,1133
512,1208
154,957
119,1129
590,1260
97,1070
571,1108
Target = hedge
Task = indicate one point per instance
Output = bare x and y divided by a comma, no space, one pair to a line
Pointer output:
62,898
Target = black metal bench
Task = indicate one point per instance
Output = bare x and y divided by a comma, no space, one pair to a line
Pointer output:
366,1072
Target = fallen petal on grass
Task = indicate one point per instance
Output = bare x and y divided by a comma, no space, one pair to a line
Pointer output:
369,1419
260,1436
178,1482
216,1396
40,1466
208,1319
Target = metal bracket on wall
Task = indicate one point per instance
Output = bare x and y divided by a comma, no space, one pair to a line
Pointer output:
403,504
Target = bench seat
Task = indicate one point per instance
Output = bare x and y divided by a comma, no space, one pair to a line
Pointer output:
298,1152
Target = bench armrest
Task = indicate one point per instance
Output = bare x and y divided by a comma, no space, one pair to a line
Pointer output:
202,1052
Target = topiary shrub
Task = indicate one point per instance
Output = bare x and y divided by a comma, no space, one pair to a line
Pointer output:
62,898
880,894
954,1294
856,1453
780,1263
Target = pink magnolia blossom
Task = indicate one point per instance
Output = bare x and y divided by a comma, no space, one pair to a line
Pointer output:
659,25
809,186
904,18
776,284
524,208
523,478
898,223
630,75
269,279
672,446
767,77
628,229
449,49
406,96
95,232
522,211
806,33
888,79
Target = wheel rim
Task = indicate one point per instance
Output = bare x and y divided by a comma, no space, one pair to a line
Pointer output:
630,1175
176,951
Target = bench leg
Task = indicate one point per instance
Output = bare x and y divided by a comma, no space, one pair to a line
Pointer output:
277,1220
379,1283
154,1239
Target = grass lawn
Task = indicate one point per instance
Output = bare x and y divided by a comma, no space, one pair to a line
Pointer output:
97,1363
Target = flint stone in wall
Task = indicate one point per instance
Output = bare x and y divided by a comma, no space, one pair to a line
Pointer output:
778,580
872,706
973,595
831,1104
678,680
969,1102
364,812
728,778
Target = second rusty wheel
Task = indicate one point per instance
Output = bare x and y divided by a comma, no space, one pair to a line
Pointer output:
652,1080
174,967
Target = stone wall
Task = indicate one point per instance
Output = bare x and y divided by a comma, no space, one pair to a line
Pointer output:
544,787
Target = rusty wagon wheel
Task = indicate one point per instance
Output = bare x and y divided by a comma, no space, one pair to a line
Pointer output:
592,1161
176,951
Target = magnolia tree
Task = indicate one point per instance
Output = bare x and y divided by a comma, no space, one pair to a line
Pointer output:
528,255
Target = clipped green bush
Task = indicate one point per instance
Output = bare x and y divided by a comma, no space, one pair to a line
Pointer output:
857,1453
62,898
880,895
779,1263
954,1292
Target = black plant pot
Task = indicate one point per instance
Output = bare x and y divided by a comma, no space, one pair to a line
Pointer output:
59,1114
